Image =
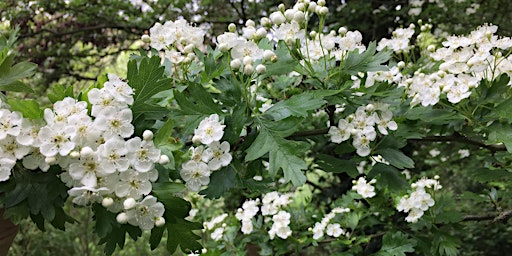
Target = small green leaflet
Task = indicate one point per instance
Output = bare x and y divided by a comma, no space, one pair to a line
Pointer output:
367,61
396,158
388,176
283,154
147,79
220,182
396,244
297,105
29,108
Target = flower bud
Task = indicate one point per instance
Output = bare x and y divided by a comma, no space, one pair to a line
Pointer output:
164,159
323,10
223,47
147,135
281,7
260,69
431,48
122,218
265,22
312,7
159,221
232,27
86,151
277,18
50,160
289,14
248,69
129,203
321,2
236,64
400,64
145,39
189,48
250,23
248,60
268,54
74,154
342,31
260,33
300,6
107,201
299,16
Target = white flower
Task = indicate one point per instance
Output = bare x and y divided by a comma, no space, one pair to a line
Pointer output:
247,49
334,230
9,148
114,122
56,139
318,230
142,154
342,132
87,170
6,166
217,234
209,130
113,154
161,35
86,195
218,155
247,227
195,174
10,123
145,213
364,188
134,184
119,89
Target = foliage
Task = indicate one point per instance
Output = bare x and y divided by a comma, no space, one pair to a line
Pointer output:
285,140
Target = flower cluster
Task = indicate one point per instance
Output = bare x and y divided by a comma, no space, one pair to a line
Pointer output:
246,213
177,38
419,200
364,188
331,229
272,204
464,62
102,161
361,126
210,156
271,208
218,230
400,41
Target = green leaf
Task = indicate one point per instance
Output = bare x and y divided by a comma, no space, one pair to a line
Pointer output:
396,158
60,92
164,133
16,72
221,181
283,154
499,133
147,79
284,64
431,115
156,237
29,108
291,164
332,164
396,244
369,60
297,105
180,231
388,177
16,86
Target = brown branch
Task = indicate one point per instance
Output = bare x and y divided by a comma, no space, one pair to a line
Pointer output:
457,137
84,29
308,133
495,217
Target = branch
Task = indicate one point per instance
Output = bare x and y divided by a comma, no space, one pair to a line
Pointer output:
457,137
495,217
308,133
84,29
